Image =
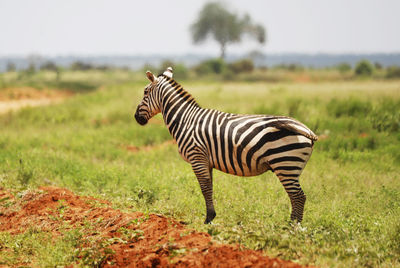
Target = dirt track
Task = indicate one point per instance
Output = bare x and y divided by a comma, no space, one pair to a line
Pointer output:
153,240
13,99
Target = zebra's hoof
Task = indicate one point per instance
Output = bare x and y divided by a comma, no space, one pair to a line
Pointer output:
210,216
295,219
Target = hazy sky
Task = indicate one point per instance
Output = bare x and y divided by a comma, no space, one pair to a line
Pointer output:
95,27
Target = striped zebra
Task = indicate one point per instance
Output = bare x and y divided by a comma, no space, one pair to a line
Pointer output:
243,145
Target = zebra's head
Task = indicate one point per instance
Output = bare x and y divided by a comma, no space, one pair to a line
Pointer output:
150,104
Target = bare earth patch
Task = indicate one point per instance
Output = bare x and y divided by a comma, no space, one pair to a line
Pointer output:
140,240
12,99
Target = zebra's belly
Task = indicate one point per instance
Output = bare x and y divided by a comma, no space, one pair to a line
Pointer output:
246,172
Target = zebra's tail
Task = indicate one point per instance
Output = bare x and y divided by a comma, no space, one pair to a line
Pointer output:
293,126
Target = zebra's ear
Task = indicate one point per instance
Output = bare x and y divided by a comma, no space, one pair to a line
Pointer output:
151,77
168,72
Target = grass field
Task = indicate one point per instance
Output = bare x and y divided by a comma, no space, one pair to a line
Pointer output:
352,180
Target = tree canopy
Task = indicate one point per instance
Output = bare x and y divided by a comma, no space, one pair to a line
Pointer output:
224,26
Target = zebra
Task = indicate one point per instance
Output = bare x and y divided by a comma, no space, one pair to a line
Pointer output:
243,145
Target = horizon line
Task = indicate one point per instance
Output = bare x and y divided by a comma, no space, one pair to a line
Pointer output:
88,55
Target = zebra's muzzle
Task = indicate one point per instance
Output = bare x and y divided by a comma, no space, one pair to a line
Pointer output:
140,119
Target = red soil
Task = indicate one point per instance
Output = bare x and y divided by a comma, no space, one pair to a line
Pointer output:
153,240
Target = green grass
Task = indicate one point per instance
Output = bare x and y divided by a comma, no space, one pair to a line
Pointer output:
46,250
351,181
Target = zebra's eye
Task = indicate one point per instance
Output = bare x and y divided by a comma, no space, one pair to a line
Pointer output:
146,91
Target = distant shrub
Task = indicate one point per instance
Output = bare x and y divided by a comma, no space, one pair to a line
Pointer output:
11,67
378,66
393,72
263,68
228,74
49,66
75,86
343,67
164,65
212,66
350,107
293,67
364,68
30,70
80,66
148,67
242,66
103,67
180,70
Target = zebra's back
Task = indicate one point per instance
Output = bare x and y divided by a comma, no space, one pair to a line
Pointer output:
248,145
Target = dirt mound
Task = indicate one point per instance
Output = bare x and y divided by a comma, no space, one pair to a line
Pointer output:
140,240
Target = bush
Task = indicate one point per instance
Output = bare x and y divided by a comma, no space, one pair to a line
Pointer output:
11,67
242,66
343,67
179,69
378,66
364,68
148,67
293,67
49,66
393,72
80,66
30,70
164,65
212,66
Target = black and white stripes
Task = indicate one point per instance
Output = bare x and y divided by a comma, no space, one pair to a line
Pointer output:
244,145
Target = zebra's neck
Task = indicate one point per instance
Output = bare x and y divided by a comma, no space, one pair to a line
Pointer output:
177,106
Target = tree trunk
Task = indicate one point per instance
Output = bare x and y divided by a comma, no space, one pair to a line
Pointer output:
58,74
223,49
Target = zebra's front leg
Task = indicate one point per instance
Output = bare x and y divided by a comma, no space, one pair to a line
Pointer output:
203,173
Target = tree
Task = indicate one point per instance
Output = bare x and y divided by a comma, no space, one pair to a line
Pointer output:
364,68
225,27
51,66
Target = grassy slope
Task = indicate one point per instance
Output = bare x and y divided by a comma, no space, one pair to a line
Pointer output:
352,180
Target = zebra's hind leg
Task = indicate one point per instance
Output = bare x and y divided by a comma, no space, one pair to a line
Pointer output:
204,176
298,200
296,195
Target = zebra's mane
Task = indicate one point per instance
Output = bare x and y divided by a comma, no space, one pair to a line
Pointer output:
176,85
